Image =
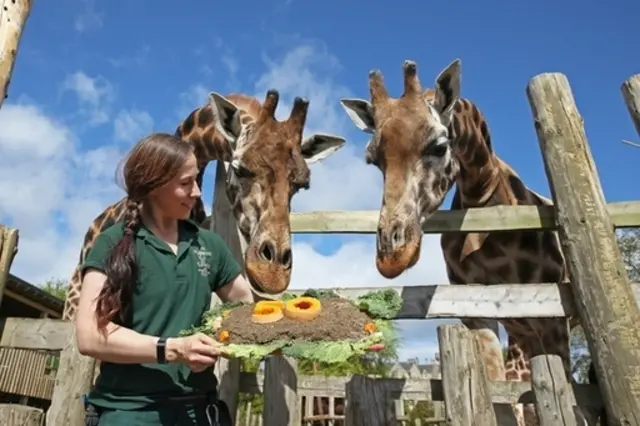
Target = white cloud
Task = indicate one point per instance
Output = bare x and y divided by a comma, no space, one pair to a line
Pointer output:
52,190
131,125
95,95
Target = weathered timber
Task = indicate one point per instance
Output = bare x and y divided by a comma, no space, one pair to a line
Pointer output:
603,294
73,379
631,94
13,18
465,383
224,224
281,402
478,300
551,389
34,333
369,403
8,249
20,415
497,218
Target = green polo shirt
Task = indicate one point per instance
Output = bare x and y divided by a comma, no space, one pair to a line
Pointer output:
171,294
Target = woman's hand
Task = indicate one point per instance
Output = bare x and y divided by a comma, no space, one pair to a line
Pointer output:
198,351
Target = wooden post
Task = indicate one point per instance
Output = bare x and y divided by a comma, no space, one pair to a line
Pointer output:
552,391
20,415
8,250
13,18
369,403
224,224
631,94
465,383
604,299
73,378
281,402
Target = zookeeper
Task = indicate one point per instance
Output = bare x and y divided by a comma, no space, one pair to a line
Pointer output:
143,282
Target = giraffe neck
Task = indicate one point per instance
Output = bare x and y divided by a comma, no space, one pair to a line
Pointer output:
479,174
199,130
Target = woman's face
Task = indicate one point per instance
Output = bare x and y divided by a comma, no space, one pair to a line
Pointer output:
176,199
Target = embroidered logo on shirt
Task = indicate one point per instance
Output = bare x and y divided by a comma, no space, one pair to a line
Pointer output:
203,262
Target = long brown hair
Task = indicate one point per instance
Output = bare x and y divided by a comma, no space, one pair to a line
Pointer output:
152,163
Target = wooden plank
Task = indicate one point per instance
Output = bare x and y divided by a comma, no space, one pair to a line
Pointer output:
35,333
73,379
20,415
13,19
477,300
281,402
465,383
631,94
603,294
369,403
497,218
550,386
8,248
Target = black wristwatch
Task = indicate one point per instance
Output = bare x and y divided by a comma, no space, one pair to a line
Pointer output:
161,350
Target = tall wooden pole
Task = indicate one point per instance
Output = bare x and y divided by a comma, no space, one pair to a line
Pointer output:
8,250
606,305
13,17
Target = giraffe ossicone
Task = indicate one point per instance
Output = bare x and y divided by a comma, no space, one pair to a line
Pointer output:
269,164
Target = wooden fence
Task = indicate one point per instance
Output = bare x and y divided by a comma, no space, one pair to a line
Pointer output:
599,294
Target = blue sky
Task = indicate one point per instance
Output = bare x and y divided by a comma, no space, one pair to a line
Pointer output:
93,77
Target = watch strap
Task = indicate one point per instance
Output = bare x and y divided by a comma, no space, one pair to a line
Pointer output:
161,350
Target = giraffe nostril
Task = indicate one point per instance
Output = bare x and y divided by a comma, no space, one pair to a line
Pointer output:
396,236
287,258
267,251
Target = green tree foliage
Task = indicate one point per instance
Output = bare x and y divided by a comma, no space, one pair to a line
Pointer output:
56,287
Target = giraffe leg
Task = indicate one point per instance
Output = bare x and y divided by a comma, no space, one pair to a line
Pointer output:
517,370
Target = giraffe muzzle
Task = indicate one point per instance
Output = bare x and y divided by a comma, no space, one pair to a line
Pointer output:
398,249
269,267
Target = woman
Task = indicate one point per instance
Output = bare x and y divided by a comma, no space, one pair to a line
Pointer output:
146,279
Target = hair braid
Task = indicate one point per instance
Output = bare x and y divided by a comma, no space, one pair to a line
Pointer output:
121,270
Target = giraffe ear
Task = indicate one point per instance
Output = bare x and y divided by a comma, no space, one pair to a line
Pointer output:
319,146
447,89
226,117
361,113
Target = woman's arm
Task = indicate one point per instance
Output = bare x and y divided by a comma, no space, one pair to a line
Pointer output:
122,345
237,290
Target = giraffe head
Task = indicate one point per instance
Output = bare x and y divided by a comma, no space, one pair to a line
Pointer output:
411,146
269,163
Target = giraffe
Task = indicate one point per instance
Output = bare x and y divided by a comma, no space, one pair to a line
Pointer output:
269,163
424,142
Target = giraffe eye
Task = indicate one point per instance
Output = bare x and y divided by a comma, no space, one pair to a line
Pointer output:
241,171
437,148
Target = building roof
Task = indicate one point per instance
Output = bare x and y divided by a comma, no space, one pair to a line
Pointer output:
35,294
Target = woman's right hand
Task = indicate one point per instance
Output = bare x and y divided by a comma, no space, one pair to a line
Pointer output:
198,351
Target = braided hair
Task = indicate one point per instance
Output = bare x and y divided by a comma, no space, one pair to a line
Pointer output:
152,163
